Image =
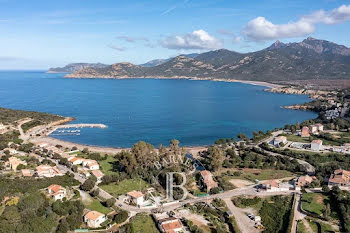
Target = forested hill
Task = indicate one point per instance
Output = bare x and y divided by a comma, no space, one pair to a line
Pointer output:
309,59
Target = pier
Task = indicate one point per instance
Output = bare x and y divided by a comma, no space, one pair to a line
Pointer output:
102,126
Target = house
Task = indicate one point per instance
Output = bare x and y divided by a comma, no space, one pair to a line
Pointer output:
305,132
75,160
15,162
280,139
208,180
135,197
340,177
98,174
319,127
316,145
93,166
11,150
57,192
94,219
47,171
27,172
313,129
170,225
84,172
271,186
303,181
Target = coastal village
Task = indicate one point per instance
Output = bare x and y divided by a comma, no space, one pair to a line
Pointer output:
234,189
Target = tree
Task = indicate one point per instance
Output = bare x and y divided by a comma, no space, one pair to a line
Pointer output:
88,185
325,189
74,148
20,167
121,217
216,156
63,227
110,202
326,211
95,192
85,150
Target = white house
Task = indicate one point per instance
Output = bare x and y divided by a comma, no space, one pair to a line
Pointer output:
313,129
57,192
280,139
316,145
76,160
91,164
136,197
319,127
94,219
47,171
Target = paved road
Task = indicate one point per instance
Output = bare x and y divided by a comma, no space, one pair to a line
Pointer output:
298,215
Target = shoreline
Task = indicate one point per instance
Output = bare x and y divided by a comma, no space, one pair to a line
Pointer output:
100,149
256,83
113,150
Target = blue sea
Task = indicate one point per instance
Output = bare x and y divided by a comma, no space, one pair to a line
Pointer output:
153,110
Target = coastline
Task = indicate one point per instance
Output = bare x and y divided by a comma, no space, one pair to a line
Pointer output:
100,149
45,130
256,83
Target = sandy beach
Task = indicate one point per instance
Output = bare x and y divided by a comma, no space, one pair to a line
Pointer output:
106,150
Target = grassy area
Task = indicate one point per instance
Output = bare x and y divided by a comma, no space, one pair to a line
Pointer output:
295,138
125,186
107,165
265,174
301,227
96,205
314,202
143,223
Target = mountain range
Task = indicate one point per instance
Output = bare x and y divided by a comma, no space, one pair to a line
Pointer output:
309,59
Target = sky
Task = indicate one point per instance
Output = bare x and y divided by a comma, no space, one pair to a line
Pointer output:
39,34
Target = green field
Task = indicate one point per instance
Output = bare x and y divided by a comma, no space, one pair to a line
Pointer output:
143,223
125,186
301,227
295,138
107,165
96,205
314,202
265,174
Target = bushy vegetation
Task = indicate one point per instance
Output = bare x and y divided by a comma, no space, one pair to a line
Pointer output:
340,202
34,213
28,185
275,213
246,202
9,116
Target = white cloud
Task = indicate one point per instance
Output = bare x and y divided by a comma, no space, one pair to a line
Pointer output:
199,39
116,47
261,29
132,39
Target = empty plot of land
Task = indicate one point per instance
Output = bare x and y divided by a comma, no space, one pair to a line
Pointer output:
239,183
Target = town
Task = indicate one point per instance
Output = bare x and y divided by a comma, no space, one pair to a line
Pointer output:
285,180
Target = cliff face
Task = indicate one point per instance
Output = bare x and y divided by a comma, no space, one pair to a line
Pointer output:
309,59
